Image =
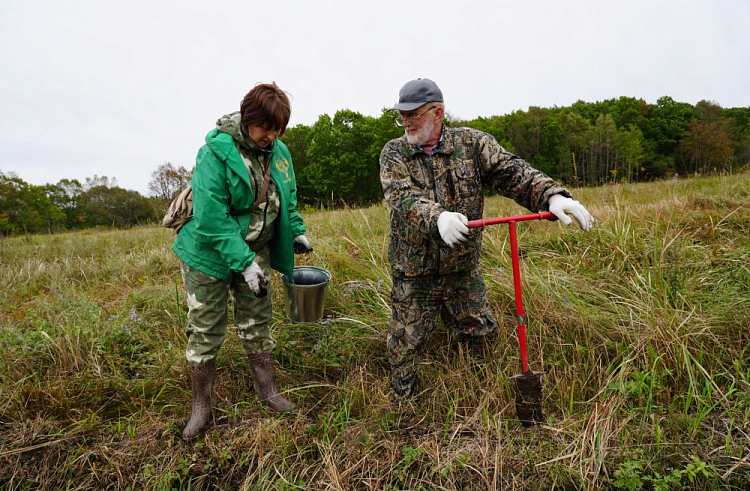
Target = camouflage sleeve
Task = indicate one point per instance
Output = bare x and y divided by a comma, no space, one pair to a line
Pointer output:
513,178
411,201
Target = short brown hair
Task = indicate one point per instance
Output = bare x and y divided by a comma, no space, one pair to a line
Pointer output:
266,105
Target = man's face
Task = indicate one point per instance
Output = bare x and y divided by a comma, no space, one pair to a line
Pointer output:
418,124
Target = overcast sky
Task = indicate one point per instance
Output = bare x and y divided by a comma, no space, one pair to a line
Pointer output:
118,88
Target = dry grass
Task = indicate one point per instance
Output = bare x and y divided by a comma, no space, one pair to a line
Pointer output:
640,325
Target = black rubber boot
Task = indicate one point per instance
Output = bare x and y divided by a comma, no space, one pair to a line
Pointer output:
479,347
203,387
264,382
405,386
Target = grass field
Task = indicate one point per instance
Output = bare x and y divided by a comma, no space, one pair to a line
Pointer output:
641,325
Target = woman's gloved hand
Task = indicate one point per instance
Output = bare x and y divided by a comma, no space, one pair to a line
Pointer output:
301,245
559,205
453,228
255,279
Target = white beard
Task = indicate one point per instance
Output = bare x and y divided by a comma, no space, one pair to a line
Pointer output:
421,136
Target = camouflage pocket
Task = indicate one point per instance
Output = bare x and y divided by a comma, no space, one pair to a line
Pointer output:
466,178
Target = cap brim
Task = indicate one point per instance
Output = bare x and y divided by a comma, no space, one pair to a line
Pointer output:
407,106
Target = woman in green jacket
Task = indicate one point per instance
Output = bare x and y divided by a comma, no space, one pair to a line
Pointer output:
244,224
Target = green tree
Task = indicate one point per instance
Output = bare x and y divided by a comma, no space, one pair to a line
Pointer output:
630,148
322,162
116,207
631,111
555,157
518,131
575,130
25,208
342,157
665,125
737,127
297,139
589,111
602,149
15,215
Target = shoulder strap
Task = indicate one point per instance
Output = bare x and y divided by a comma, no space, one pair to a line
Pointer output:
261,196
264,189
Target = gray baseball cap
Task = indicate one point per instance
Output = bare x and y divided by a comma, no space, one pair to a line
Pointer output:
417,93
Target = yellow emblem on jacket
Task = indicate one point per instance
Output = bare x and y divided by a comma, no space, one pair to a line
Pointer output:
283,165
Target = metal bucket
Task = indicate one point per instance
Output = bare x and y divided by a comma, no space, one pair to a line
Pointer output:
305,297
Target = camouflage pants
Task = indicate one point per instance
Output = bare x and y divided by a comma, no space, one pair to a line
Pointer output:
207,299
460,299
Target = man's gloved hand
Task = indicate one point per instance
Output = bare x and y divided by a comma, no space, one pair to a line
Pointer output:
301,245
559,205
453,228
255,279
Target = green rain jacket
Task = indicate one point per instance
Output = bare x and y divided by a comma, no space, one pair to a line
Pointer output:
213,242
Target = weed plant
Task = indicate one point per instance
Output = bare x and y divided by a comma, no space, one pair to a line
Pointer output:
640,325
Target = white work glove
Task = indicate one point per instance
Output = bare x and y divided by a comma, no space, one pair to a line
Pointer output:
453,228
255,279
559,205
301,245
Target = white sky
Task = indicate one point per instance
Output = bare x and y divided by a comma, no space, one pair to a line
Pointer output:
118,88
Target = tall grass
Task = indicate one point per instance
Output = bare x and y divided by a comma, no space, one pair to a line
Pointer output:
641,327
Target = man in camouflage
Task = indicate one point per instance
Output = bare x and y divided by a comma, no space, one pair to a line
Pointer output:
434,179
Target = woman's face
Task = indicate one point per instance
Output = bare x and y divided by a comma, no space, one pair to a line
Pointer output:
262,136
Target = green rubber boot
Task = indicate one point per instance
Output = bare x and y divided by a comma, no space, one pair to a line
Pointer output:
264,382
203,387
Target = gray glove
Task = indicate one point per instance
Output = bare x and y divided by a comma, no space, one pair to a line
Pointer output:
301,245
255,279
559,205
453,228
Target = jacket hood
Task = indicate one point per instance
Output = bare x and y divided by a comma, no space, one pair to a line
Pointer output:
232,124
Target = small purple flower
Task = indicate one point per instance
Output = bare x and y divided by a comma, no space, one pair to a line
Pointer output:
353,286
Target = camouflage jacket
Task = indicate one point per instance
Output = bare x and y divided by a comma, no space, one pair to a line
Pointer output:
418,187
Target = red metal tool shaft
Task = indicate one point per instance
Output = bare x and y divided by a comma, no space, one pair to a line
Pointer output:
511,221
519,297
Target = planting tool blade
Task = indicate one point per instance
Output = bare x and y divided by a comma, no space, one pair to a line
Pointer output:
529,397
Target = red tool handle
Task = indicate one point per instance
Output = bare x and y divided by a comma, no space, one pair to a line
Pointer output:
511,221
542,215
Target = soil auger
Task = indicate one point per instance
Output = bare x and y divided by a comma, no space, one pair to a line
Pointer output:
528,382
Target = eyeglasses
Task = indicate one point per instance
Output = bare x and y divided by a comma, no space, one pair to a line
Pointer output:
401,119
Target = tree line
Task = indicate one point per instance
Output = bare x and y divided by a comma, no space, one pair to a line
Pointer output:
336,159
585,144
